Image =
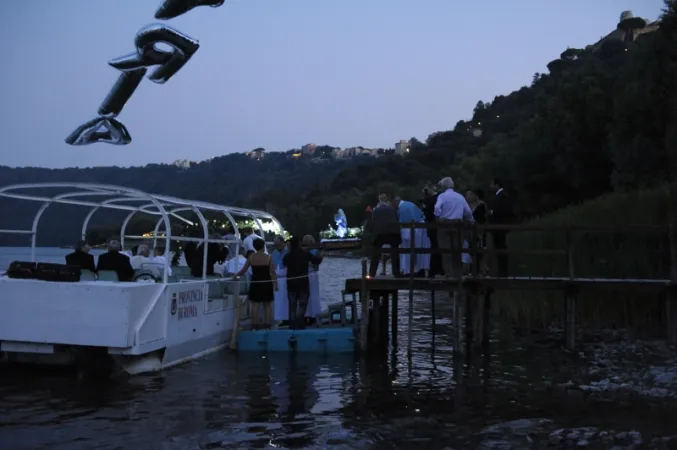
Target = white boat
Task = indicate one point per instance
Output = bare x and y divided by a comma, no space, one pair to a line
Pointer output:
142,326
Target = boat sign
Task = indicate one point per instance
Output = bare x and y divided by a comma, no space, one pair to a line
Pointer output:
186,305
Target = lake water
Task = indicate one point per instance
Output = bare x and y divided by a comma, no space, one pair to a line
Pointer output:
623,393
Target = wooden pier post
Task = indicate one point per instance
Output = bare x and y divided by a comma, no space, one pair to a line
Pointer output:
432,309
459,298
375,319
383,318
364,298
412,266
394,326
570,300
570,297
671,294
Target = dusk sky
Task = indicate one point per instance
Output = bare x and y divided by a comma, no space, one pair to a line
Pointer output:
276,73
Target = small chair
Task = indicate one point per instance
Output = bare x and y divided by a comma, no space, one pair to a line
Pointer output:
108,275
87,275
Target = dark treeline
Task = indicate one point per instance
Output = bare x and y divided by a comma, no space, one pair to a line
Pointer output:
601,120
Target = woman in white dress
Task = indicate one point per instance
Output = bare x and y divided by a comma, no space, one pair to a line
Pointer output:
281,307
314,305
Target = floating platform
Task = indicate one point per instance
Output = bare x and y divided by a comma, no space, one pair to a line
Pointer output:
309,340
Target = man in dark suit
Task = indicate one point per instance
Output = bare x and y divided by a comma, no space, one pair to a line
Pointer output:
385,227
501,214
428,206
81,257
216,253
114,260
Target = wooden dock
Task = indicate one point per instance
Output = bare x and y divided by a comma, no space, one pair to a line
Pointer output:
471,294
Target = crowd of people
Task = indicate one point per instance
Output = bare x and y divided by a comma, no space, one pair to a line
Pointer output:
441,203
283,285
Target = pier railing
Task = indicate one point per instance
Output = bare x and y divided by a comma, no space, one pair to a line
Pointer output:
645,252
623,258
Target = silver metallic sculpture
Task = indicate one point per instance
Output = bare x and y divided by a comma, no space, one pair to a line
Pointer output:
134,66
170,9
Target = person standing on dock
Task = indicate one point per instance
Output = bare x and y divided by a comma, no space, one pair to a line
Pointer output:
407,213
428,205
262,286
281,310
386,228
297,262
475,199
501,214
451,208
314,304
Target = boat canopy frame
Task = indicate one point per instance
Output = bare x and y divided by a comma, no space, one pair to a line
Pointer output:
127,199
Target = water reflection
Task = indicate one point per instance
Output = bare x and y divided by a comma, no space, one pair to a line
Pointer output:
387,399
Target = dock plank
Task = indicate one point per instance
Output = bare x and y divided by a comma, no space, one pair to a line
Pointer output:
389,283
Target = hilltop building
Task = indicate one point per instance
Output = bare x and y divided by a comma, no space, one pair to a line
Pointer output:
629,28
257,154
402,147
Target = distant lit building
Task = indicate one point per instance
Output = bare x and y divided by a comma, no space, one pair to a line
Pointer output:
257,154
308,149
182,164
402,147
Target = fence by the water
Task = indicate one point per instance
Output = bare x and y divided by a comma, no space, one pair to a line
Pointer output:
577,259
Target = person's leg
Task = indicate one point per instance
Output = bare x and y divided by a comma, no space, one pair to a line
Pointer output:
303,298
293,301
444,243
268,314
254,312
375,256
502,259
394,241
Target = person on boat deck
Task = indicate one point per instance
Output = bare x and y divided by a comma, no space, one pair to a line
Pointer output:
216,253
262,286
237,262
249,238
81,257
407,213
116,261
281,309
233,241
160,260
314,304
142,256
297,261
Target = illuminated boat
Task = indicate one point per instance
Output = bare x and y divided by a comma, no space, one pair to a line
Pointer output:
57,314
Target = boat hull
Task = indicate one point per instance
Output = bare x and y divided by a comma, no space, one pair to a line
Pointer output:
130,327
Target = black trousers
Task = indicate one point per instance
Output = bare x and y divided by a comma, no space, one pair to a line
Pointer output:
392,239
298,304
500,243
435,258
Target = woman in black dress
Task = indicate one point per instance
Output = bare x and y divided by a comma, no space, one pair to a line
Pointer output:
263,284
475,199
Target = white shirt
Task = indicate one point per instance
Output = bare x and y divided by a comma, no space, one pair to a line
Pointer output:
137,260
232,266
161,262
451,205
248,243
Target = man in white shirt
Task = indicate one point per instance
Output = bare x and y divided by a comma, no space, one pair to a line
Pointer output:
248,241
160,260
451,208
